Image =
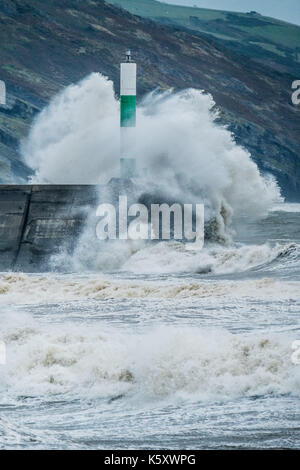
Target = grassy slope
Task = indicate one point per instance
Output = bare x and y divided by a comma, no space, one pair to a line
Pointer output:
251,34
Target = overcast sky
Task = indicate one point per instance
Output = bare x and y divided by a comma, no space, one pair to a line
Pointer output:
288,10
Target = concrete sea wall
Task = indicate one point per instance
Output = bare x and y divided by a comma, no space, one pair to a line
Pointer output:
36,220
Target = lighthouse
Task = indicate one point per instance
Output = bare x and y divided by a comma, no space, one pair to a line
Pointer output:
127,117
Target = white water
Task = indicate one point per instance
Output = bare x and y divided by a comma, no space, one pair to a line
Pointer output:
187,156
158,363
285,207
177,348
174,258
35,289
76,140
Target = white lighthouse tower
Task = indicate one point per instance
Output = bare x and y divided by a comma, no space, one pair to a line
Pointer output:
127,116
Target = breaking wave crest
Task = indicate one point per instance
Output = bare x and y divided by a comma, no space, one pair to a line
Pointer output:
174,258
27,289
168,362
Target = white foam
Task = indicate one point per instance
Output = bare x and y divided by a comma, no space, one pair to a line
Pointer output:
175,258
160,363
287,207
26,289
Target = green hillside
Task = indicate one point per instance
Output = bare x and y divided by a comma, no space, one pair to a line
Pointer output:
249,33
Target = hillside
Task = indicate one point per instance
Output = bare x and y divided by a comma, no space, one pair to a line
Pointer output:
47,45
264,39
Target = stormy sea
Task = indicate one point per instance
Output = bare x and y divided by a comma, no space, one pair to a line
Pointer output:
156,345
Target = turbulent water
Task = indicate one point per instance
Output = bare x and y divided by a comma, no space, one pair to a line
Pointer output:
177,144
130,344
173,358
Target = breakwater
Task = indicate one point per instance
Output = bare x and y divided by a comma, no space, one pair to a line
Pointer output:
36,220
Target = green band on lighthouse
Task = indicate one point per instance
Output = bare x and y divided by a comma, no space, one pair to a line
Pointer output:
128,111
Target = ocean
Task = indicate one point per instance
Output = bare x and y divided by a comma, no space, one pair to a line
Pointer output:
174,349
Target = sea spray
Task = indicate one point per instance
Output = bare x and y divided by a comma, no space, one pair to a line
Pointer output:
75,140
182,155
